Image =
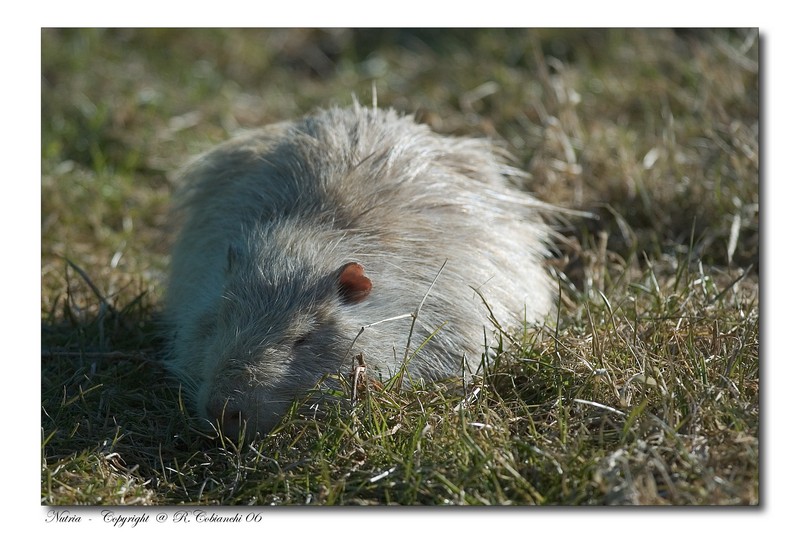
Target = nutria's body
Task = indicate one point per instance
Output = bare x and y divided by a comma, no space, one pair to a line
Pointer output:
297,235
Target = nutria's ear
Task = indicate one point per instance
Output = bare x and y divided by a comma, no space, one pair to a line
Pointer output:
354,286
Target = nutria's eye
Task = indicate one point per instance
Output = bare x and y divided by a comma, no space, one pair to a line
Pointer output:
299,341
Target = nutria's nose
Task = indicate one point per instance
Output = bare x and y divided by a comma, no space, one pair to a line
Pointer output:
226,415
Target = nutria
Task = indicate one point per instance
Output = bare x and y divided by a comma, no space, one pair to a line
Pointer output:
297,235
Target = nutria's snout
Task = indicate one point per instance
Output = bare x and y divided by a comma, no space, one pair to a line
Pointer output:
227,416
239,416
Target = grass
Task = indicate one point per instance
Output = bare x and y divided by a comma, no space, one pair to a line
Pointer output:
644,390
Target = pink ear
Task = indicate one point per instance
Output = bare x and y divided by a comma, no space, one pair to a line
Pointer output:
354,286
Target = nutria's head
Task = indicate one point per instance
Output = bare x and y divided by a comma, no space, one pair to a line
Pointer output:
274,338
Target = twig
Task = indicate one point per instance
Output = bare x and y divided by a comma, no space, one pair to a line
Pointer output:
92,286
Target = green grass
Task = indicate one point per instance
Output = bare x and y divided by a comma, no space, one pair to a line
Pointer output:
644,390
